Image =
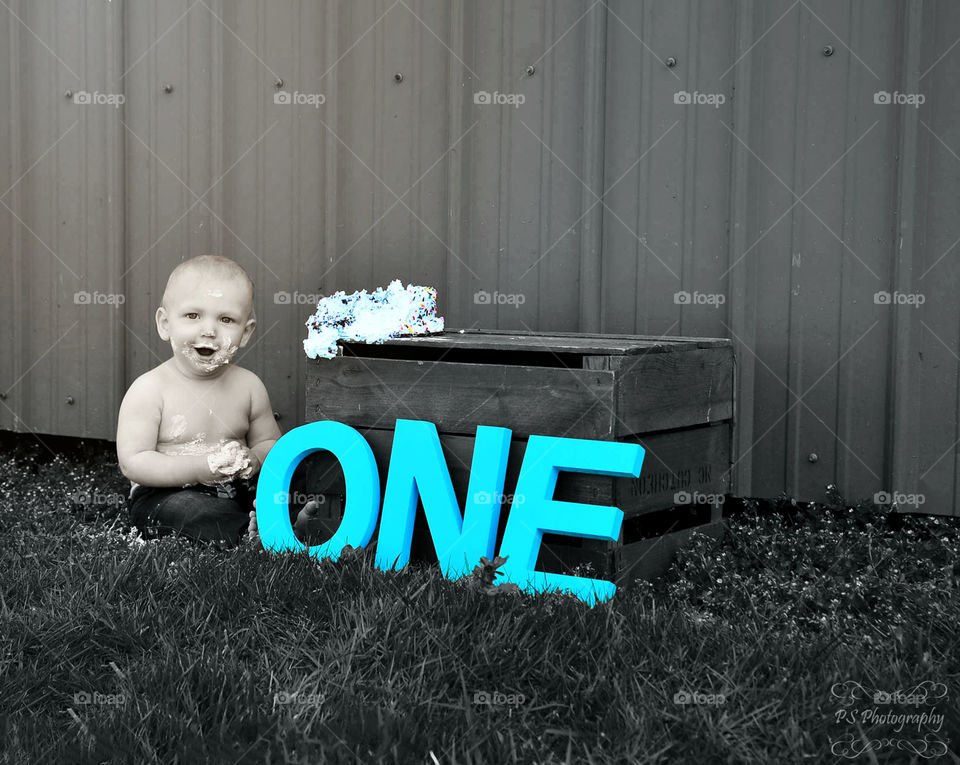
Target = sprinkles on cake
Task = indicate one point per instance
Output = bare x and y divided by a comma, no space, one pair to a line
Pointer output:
371,318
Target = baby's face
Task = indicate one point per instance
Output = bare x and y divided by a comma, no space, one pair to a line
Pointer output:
206,322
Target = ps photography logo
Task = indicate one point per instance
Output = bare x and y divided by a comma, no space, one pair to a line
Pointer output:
881,725
85,98
98,298
284,98
697,498
916,299
295,298
484,98
715,299
711,699
899,499
697,98
901,99
482,297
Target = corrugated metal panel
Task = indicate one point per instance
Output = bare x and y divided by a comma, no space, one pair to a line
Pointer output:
926,456
61,193
596,200
818,133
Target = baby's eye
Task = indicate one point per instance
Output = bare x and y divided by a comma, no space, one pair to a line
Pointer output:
192,315
227,319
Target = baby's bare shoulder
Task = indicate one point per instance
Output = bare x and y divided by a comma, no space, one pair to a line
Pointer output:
246,380
148,386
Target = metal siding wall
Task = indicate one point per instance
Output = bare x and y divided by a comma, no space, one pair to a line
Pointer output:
666,168
817,130
62,220
507,198
935,327
522,199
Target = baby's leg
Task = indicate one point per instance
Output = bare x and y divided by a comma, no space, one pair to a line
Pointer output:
193,514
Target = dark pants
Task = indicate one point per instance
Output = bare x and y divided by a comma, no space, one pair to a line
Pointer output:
217,515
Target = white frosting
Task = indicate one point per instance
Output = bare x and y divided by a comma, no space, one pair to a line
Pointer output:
230,460
179,426
220,357
371,318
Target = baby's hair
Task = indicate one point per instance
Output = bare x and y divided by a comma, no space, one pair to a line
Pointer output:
211,265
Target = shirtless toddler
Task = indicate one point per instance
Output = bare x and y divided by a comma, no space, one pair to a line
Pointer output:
194,431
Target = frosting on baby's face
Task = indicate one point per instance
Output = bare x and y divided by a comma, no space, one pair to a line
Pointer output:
206,324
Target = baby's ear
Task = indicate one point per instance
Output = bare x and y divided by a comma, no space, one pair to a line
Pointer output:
162,321
247,331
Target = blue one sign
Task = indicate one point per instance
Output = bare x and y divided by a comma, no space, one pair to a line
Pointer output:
417,468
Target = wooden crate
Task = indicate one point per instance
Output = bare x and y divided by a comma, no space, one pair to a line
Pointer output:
673,396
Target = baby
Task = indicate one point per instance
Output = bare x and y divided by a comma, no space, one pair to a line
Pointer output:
193,432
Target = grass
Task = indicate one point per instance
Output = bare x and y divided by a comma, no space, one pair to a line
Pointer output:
243,656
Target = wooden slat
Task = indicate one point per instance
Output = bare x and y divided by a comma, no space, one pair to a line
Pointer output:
651,558
558,342
458,397
673,390
690,460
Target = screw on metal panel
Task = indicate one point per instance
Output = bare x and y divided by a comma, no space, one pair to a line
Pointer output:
278,83
398,77
531,70
671,62
276,415
813,457
827,50
69,399
167,87
68,94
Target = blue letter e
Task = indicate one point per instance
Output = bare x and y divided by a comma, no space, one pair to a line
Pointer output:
534,510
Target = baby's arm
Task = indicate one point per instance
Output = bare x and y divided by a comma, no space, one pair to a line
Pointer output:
138,428
264,431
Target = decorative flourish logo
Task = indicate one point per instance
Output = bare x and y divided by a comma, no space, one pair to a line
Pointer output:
865,708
